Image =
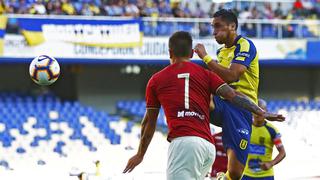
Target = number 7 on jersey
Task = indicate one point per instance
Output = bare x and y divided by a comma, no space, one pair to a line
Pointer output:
186,77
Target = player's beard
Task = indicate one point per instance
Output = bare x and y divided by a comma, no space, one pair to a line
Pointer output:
219,41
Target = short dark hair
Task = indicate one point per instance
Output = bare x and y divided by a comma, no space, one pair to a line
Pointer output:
227,15
181,44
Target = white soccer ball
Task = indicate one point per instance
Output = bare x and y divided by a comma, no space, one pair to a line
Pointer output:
44,70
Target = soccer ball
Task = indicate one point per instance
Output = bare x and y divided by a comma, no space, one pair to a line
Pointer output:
44,70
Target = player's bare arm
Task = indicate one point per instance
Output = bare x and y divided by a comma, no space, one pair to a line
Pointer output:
243,101
148,127
229,75
281,155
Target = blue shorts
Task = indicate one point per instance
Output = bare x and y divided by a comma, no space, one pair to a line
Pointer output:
244,177
236,127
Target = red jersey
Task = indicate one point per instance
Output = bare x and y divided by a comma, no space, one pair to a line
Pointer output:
183,90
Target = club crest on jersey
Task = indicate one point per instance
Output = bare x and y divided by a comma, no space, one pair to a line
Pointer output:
243,144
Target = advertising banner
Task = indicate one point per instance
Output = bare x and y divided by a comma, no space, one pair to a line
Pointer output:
97,33
153,48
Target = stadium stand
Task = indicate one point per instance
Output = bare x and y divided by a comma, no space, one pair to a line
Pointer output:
27,122
156,11
135,111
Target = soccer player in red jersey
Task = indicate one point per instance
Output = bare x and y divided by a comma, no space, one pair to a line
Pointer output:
183,89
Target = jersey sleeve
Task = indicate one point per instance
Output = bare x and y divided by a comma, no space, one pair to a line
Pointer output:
244,53
277,138
151,96
275,135
215,81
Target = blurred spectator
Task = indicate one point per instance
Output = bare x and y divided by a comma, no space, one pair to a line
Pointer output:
267,11
94,8
298,8
23,7
297,5
118,8
39,7
187,11
67,7
108,8
199,12
278,13
176,10
307,5
246,14
2,7
291,14
57,9
86,10
212,10
12,6
317,8
152,9
301,9
255,13
131,9
288,31
158,8
141,4
164,9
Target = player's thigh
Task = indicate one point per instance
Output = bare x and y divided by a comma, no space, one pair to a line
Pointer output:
211,156
234,165
186,158
236,131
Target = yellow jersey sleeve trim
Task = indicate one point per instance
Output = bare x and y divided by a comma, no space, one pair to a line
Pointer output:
240,58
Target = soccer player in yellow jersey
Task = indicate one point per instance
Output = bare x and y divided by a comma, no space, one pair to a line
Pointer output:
263,137
237,65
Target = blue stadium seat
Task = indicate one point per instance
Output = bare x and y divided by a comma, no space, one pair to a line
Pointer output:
165,28
269,30
129,126
4,163
185,26
306,33
21,150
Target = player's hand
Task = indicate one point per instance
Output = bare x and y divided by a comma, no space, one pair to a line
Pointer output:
200,50
132,163
274,117
266,165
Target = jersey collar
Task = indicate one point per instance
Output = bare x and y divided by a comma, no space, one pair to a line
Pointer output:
236,40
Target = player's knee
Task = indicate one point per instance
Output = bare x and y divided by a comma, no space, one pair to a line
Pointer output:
235,174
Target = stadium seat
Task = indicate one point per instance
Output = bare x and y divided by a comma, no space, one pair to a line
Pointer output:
135,110
26,117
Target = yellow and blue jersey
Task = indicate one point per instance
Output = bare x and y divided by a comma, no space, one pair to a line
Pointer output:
262,140
243,52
